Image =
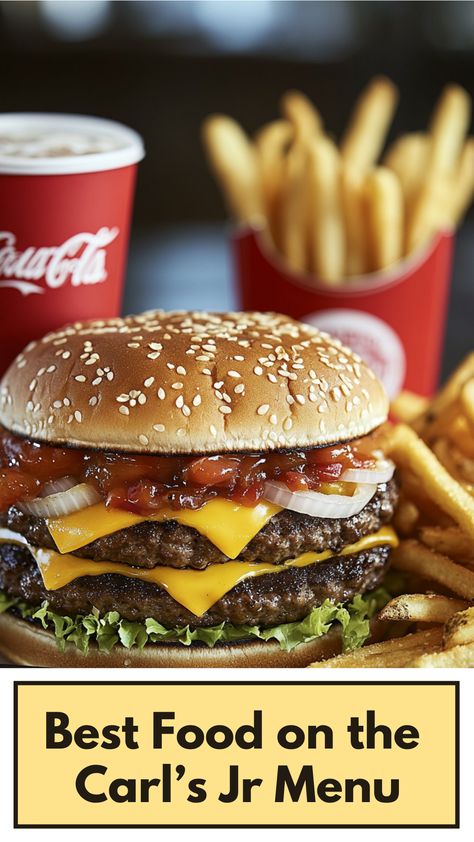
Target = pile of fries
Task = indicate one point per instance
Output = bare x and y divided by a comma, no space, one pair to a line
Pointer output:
336,212
433,448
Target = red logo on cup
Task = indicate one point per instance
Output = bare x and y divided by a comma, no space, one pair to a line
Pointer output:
81,259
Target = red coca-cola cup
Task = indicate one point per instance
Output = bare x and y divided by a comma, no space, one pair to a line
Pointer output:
395,320
66,187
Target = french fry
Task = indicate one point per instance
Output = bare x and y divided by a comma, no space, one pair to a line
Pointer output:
293,210
369,124
414,557
327,241
355,221
302,114
459,466
384,217
406,517
422,608
460,629
456,657
272,143
411,452
451,390
407,406
463,183
233,158
408,158
460,433
448,129
449,541
390,653
467,399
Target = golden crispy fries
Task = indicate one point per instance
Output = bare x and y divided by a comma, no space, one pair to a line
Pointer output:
408,158
463,183
448,129
414,557
406,517
385,218
293,212
467,400
460,629
232,157
432,212
459,466
411,452
407,406
390,653
449,541
327,241
369,124
452,389
272,143
422,608
354,210
457,657
460,433
301,113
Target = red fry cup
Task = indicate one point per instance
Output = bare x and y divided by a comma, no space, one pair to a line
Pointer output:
395,320
66,187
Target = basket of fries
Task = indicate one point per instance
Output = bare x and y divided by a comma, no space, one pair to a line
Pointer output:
331,236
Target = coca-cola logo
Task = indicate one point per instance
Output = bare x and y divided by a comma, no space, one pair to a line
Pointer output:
81,259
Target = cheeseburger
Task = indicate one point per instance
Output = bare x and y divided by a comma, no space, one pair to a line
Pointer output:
190,489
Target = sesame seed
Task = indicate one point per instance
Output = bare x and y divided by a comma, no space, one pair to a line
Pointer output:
141,399
80,378
300,399
225,410
186,411
160,428
219,384
121,398
177,385
238,358
290,399
287,424
97,381
322,407
179,401
93,400
78,416
239,389
180,370
203,358
133,345
197,400
149,382
40,372
56,404
272,378
161,394
226,397
124,410
233,373
143,439
273,419
258,370
181,432
207,371
263,409
213,431
65,355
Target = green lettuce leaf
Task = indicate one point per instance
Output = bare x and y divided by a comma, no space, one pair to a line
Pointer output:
112,629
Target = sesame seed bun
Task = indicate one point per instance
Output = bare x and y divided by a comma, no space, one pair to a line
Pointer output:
26,644
183,382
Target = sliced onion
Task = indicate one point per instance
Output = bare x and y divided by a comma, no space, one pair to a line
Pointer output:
54,505
57,485
316,504
382,471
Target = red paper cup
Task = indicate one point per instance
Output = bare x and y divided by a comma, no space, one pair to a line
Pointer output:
395,320
66,187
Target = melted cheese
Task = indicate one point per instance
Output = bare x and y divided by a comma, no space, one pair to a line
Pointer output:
197,590
229,526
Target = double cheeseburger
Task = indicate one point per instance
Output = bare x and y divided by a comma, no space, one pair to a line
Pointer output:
190,489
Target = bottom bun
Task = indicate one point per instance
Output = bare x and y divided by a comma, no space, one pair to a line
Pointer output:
28,645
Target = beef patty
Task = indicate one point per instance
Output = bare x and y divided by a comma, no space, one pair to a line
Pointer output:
265,600
286,535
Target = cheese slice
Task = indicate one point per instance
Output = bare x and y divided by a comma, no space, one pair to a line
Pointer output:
228,525
197,590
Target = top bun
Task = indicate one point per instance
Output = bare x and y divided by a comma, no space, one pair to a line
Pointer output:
183,382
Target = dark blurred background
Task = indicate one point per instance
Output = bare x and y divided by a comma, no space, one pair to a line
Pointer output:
162,66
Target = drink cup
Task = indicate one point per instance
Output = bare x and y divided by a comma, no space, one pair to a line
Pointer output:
66,187
395,320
